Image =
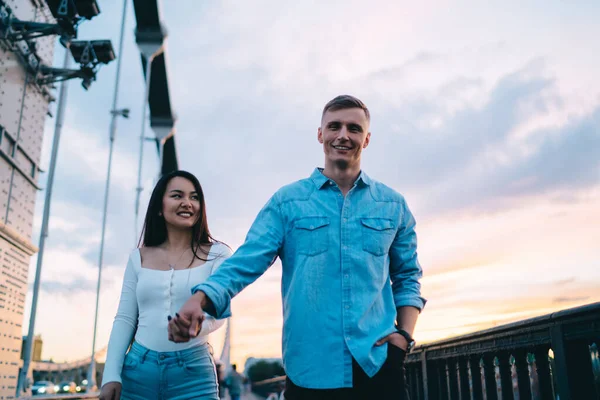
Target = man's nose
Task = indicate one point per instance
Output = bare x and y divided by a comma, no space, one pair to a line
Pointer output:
343,133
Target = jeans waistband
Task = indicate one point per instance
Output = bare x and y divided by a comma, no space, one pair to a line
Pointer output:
169,357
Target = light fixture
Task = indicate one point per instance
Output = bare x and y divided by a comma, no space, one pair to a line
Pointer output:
89,54
73,9
92,52
68,15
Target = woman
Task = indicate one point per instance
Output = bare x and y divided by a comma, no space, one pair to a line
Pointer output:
176,252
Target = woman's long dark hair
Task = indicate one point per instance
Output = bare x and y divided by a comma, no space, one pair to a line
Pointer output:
154,232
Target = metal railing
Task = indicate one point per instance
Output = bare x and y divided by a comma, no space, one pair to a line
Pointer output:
548,357
71,396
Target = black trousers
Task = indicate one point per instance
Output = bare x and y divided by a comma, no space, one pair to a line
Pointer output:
389,383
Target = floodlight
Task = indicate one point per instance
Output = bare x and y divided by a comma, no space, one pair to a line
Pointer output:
68,15
73,9
92,52
89,55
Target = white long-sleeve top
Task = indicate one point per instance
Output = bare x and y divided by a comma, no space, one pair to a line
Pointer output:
148,297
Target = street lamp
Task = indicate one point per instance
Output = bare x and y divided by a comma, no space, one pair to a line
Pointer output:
102,48
67,13
88,54
115,113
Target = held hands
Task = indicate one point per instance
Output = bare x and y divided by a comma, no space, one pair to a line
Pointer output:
110,391
395,339
186,324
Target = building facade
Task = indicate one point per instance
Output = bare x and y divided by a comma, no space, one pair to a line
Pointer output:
23,109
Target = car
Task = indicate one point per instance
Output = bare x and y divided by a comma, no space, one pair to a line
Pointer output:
82,387
42,387
67,387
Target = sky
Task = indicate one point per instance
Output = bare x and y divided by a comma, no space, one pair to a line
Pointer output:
484,116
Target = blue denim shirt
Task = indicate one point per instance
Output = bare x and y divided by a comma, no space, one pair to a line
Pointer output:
348,262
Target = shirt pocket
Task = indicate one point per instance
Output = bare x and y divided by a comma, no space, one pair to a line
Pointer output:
377,234
312,234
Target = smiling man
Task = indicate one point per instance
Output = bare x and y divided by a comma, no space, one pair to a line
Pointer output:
350,282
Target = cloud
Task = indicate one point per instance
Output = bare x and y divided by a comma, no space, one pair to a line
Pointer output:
491,134
472,150
74,287
572,299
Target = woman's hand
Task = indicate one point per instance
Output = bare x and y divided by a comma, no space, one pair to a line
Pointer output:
111,391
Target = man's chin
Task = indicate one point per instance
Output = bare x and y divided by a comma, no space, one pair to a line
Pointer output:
341,163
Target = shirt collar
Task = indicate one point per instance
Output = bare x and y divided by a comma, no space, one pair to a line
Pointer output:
321,180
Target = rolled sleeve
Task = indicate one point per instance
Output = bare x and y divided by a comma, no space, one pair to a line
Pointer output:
249,262
405,270
218,296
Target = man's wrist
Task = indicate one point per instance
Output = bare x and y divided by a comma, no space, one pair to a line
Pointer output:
206,303
408,337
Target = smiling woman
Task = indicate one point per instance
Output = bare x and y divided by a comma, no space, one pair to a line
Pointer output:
176,249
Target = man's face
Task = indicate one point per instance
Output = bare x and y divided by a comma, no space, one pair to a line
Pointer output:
344,134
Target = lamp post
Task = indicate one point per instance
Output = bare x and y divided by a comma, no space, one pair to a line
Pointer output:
142,141
91,376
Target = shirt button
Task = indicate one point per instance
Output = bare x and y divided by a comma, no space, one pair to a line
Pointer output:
347,307
162,357
312,227
346,276
347,338
345,247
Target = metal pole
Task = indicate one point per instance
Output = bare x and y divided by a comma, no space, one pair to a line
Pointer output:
113,129
60,113
142,140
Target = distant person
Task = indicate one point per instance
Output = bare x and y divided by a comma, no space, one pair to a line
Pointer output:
235,383
177,251
221,382
350,277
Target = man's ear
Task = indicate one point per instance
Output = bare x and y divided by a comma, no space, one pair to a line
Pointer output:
320,135
367,140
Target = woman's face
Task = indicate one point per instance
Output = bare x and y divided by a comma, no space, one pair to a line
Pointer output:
181,204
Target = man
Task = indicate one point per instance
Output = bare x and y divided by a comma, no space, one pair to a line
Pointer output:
235,383
221,381
350,271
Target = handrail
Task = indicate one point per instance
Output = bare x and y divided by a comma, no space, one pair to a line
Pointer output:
542,356
71,396
270,380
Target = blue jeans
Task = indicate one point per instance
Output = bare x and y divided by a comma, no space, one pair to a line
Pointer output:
174,375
